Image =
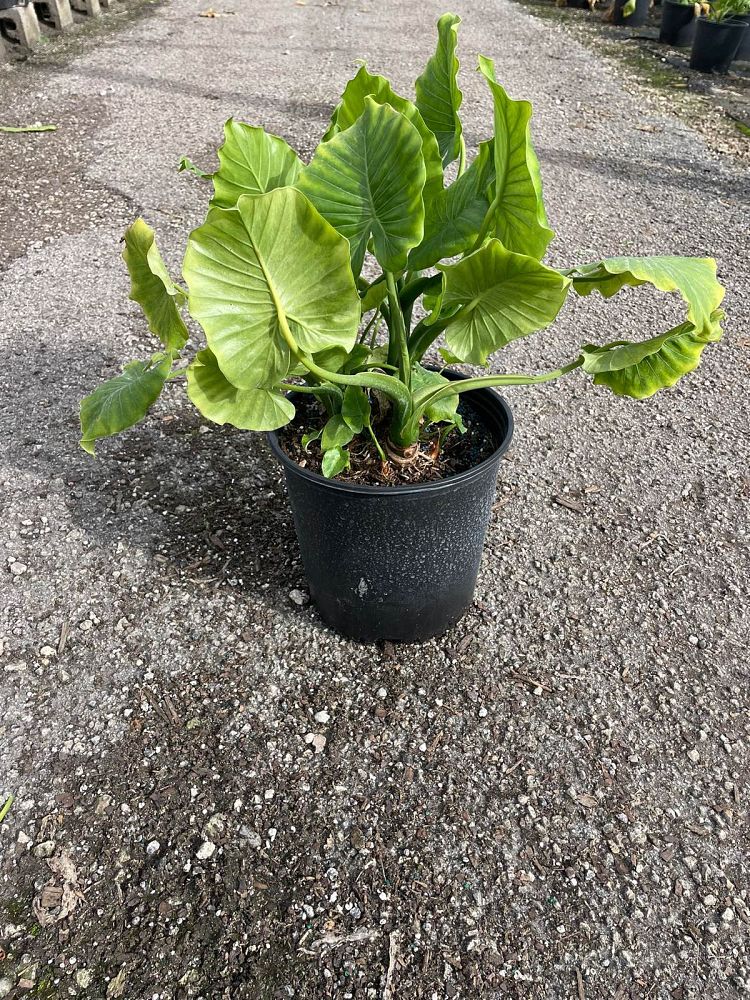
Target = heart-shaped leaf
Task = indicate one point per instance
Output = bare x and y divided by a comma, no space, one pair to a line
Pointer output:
152,288
252,161
455,217
500,296
367,181
335,460
223,403
355,408
122,401
640,370
352,105
438,96
693,277
519,220
270,267
336,433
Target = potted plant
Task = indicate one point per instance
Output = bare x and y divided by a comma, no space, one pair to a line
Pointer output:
718,36
742,13
390,463
678,20
631,13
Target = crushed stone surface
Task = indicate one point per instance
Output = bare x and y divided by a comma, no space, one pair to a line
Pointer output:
217,797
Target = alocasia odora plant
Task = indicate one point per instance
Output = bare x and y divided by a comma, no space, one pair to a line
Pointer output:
297,266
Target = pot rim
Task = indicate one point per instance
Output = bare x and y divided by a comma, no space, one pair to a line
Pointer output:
494,398
723,23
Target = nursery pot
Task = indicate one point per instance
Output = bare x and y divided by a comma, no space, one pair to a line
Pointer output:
743,52
677,23
637,19
715,44
398,563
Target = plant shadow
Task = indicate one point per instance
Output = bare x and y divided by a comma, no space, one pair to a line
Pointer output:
206,502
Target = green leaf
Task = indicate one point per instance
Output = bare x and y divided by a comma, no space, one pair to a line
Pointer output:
368,180
307,439
223,403
519,220
124,400
374,295
352,105
252,161
187,164
358,356
448,357
443,410
336,433
438,96
152,288
456,215
640,370
356,408
502,296
693,277
270,263
628,8
335,461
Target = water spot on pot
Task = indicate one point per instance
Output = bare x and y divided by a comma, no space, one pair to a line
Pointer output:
362,588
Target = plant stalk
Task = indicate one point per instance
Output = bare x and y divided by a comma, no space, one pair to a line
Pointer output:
398,351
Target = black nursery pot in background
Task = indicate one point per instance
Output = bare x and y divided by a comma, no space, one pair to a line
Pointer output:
397,563
715,44
637,19
677,23
743,52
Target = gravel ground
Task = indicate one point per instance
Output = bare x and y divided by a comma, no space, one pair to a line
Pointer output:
216,796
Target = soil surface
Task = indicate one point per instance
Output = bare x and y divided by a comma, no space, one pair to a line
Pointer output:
443,453
215,796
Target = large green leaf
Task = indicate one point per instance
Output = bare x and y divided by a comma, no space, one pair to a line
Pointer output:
152,288
438,96
519,219
640,370
455,217
352,105
251,161
271,263
368,180
693,277
123,400
501,296
223,403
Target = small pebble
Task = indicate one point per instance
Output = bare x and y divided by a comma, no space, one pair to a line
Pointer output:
299,597
322,717
694,755
205,851
153,847
18,568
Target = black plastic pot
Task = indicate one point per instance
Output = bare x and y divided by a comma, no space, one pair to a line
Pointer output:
715,44
397,563
677,23
743,52
637,19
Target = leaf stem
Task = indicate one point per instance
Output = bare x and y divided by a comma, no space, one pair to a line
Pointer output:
400,352
461,155
427,397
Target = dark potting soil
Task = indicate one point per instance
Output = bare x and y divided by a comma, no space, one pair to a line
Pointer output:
458,453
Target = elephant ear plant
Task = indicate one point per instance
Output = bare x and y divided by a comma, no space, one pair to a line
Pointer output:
298,266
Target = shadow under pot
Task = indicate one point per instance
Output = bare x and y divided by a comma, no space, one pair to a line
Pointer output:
715,44
743,52
397,563
635,20
678,22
